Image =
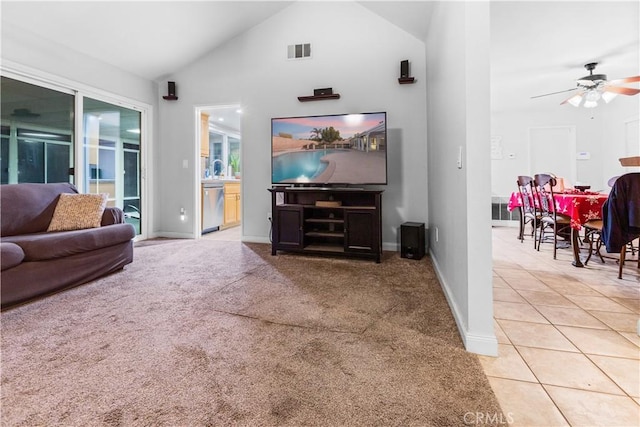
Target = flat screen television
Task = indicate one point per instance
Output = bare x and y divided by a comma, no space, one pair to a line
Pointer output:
337,149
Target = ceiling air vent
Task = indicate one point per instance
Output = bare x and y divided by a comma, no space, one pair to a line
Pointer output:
299,51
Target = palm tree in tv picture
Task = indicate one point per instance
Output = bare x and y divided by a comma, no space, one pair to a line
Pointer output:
316,134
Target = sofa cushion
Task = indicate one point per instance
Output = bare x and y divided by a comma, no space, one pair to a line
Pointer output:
78,211
28,208
112,215
10,255
49,245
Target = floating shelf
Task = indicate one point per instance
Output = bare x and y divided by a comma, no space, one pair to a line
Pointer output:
318,97
406,80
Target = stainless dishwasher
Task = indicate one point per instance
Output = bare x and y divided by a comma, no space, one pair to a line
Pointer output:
212,206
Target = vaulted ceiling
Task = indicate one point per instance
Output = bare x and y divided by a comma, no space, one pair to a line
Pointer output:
536,47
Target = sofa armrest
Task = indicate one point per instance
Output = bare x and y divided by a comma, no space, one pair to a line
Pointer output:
10,255
112,215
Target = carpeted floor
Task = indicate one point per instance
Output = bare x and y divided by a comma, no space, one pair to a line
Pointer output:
199,333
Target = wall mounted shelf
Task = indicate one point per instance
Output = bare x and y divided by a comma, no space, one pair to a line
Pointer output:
318,97
406,80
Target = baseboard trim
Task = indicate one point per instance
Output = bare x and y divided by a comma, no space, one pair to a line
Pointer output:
486,345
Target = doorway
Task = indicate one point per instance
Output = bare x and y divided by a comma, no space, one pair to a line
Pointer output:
218,169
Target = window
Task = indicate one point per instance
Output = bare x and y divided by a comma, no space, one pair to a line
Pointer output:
224,154
36,134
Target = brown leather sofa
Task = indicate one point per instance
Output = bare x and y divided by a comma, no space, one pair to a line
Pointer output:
36,262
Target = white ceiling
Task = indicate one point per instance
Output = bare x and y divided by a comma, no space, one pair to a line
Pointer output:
542,47
536,47
147,38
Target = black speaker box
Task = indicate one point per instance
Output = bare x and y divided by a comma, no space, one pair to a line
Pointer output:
172,88
412,240
323,91
404,69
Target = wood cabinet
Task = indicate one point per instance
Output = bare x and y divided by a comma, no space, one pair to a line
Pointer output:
232,200
324,220
204,135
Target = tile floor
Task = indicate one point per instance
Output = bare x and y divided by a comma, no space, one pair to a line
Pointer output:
569,350
232,234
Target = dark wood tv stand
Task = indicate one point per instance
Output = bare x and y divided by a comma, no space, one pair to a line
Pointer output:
341,221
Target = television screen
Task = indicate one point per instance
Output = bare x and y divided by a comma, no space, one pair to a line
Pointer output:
338,149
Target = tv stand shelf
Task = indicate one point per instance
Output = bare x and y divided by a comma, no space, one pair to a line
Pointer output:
350,227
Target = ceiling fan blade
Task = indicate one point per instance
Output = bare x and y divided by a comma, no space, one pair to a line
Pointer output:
621,90
625,80
554,93
579,94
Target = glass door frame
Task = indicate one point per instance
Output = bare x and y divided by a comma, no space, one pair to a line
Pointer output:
145,137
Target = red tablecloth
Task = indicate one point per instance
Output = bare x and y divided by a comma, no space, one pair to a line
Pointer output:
581,207
515,201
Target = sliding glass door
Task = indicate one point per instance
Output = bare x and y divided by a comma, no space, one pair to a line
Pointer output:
37,134
111,154
37,143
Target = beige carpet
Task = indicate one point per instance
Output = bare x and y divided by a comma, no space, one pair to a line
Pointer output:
199,333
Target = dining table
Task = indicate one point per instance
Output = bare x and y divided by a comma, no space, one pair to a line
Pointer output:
579,206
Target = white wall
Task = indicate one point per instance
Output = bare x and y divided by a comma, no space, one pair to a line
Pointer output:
27,49
599,131
621,116
354,51
457,50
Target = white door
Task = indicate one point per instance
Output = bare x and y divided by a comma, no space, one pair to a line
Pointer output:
553,150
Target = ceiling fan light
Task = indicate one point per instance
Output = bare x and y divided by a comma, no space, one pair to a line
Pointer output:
608,96
575,100
590,104
593,95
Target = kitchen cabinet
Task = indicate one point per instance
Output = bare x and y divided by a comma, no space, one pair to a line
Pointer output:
232,208
204,135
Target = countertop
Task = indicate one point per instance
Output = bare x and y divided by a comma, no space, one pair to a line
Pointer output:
220,181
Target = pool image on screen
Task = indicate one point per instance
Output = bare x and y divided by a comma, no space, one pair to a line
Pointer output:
332,149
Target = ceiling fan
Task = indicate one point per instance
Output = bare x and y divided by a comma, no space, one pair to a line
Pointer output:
595,87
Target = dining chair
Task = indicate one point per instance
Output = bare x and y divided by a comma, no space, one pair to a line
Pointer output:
592,233
529,214
550,221
621,216
592,236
